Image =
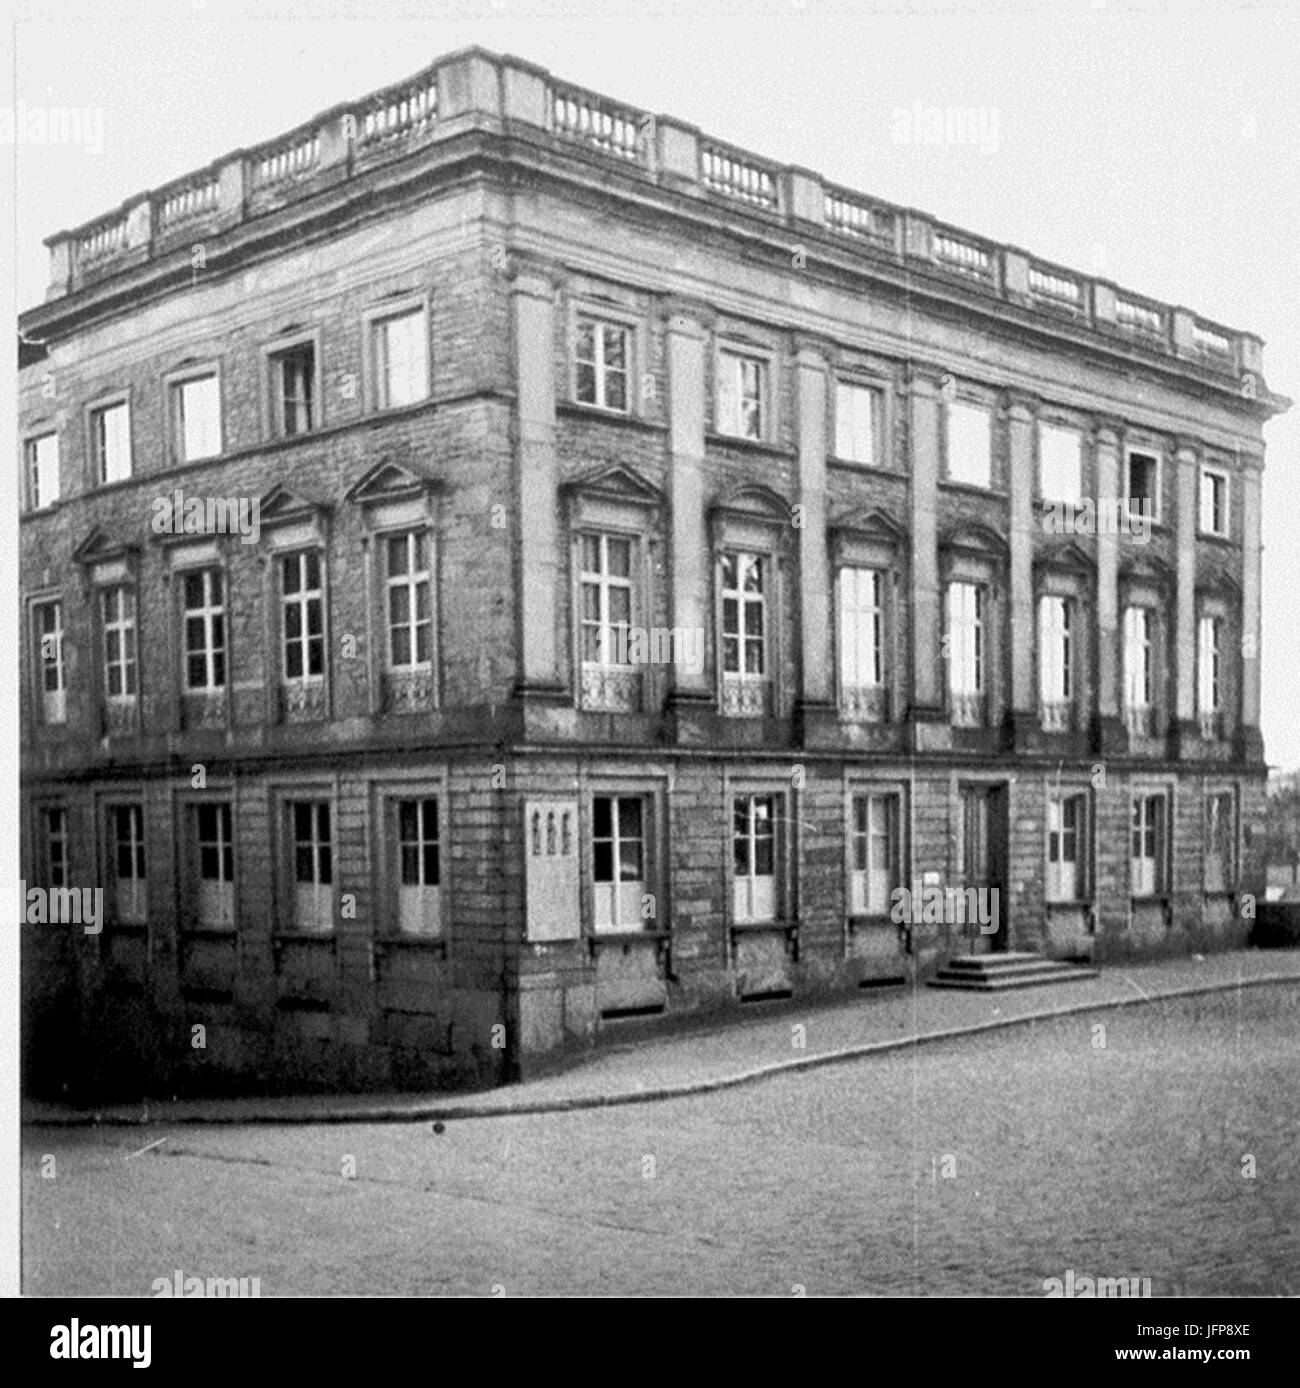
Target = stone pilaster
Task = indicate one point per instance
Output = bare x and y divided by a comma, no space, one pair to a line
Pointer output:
1109,735
1251,745
1024,701
1185,728
929,720
817,691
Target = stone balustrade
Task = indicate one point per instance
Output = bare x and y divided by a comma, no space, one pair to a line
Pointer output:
478,89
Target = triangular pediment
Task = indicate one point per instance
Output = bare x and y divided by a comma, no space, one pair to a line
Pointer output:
973,538
1146,568
389,481
98,546
281,506
616,482
872,523
1068,556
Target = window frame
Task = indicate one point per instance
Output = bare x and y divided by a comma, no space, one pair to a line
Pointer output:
893,794
1152,451
288,799
1049,428
375,317
180,576
127,589
227,849
111,808
1232,868
1144,795
94,409
1083,862
604,319
32,500
51,704
1221,474
737,791
731,353
980,643
875,393
646,841
387,585
46,839
1065,665
768,561
273,354
302,599
968,402
174,383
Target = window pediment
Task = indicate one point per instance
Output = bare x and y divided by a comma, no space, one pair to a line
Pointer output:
388,481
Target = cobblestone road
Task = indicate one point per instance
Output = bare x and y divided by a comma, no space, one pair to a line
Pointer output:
981,1166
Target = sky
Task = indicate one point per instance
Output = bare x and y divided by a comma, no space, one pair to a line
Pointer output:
1156,145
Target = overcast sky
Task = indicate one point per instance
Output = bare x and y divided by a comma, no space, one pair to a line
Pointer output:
1156,145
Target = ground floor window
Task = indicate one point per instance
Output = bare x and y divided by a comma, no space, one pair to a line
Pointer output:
1220,842
755,857
419,851
215,853
618,862
130,885
874,856
1149,847
1066,847
313,866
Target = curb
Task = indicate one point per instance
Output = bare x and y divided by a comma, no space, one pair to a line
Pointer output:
458,1112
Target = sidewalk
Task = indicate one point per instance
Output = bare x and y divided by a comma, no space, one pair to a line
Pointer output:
627,1068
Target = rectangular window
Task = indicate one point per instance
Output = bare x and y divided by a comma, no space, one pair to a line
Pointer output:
1066,847
1148,847
1139,649
1055,660
1144,485
1220,842
110,442
302,616
857,410
42,471
606,580
196,419
1214,502
1060,454
874,870
419,890
742,395
970,444
966,652
602,355
409,602
401,359
47,634
618,862
293,390
204,624
54,825
119,642
754,845
214,841
862,628
313,865
744,615
1209,668
131,887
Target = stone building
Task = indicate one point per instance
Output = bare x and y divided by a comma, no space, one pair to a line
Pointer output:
497,562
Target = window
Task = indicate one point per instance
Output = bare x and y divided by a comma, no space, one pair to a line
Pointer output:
618,861
742,395
1055,656
970,438
1220,842
754,844
119,642
1066,847
47,619
419,890
54,825
606,580
1060,457
1214,502
862,628
1148,854
216,866
409,602
966,652
744,615
42,471
601,357
110,442
1139,670
302,616
204,623
401,359
131,887
857,410
1209,684
293,390
874,872
196,419
1144,485
313,869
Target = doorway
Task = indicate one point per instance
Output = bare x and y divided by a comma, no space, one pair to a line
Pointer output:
983,859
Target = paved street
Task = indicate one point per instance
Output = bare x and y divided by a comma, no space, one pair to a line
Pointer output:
975,1166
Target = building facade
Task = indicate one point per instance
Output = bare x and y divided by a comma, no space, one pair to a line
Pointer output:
496,562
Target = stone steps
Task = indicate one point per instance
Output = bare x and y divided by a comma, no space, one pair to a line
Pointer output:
989,973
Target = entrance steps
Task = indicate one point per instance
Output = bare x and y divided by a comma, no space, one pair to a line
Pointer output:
988,973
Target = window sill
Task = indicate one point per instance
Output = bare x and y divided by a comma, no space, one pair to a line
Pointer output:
574,409
952,484
623,937
750,445
437,942
855,465
752,927
210,932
